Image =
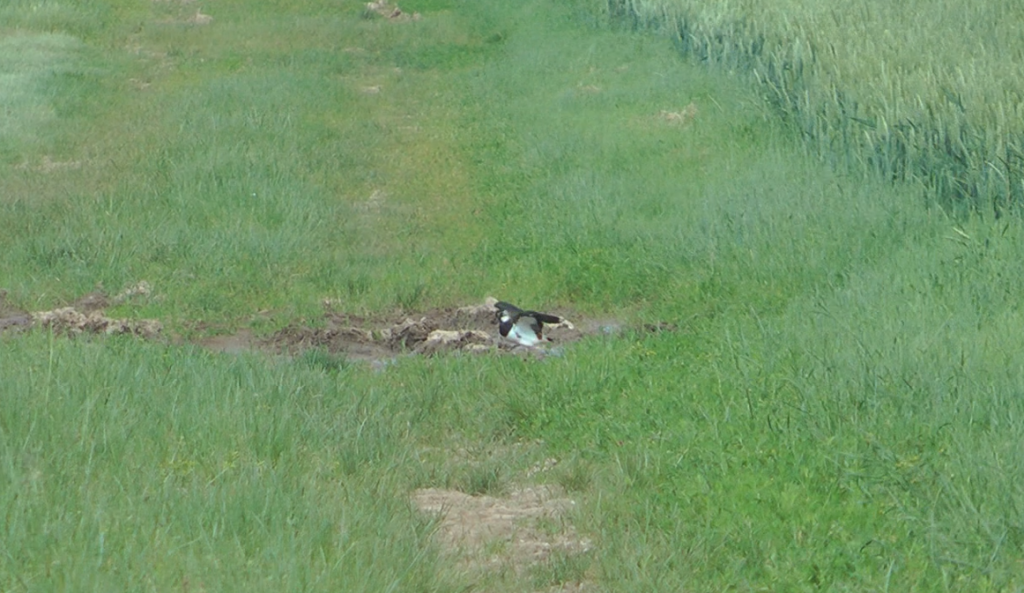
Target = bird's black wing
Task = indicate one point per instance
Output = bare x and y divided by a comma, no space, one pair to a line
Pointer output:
543,317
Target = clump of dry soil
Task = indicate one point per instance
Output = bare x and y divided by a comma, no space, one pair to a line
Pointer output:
84,316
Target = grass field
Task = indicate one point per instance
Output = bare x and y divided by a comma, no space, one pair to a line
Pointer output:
833,402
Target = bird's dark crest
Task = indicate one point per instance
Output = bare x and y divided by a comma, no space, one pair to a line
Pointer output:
503,306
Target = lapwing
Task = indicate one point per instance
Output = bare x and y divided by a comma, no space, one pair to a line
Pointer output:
523,327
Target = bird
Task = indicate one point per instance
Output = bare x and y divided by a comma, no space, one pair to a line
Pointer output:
523,327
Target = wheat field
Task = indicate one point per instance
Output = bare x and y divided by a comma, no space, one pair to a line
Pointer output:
929,92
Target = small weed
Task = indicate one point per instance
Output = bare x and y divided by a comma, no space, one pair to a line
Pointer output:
322,360
575,475
412,298
488,477
561,568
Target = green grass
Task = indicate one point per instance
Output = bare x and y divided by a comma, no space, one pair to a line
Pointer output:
917,90
839,407
133,466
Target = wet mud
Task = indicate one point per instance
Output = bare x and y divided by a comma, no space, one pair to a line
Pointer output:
470,329
377,339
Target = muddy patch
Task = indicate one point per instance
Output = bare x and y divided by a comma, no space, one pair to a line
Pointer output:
378,340
84,316
71,321
527,527
472,329
11,317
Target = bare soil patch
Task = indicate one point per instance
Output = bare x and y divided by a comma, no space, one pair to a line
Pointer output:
519,530
378,340
457,329
472,329
84,316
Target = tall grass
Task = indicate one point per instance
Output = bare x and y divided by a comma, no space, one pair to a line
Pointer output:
925,91
131,466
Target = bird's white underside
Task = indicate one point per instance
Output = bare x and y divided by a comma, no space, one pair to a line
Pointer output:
524,338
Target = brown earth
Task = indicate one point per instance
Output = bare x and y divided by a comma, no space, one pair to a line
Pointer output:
518,531
379,339
472,329
85,315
